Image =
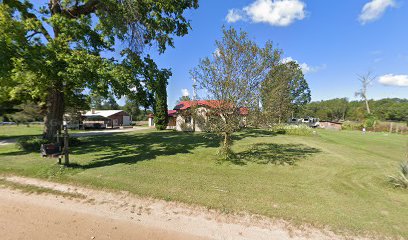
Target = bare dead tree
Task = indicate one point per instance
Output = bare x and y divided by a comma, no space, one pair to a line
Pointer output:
365,81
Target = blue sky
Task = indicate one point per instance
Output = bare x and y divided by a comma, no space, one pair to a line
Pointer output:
333,40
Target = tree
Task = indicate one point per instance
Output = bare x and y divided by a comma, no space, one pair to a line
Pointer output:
365,81
158,82
132,107
26,113
284,90
183,98
57,50
232,78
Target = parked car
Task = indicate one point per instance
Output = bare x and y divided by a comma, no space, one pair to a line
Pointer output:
7,123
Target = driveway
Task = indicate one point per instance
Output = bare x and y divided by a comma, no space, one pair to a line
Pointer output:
106,132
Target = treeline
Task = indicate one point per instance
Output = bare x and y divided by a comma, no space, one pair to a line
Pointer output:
338,109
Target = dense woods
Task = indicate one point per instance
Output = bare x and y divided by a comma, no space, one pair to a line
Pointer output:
388,109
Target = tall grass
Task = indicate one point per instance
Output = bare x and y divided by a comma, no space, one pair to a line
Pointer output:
401,180
297,130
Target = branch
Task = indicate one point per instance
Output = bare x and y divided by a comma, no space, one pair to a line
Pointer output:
32,35
27,15
85,9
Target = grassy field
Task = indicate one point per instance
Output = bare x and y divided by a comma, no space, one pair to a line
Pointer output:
13,131
339,179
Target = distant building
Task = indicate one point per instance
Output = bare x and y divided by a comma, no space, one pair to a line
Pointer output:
182,119
330,125
106,119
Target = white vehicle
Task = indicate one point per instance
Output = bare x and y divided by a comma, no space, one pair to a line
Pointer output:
311,122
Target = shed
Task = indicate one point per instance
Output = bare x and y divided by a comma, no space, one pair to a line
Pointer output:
106,118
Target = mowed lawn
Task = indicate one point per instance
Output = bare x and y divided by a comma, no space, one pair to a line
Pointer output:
339,179
14,131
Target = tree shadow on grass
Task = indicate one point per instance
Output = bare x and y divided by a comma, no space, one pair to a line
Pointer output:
132,148
272,153
253,132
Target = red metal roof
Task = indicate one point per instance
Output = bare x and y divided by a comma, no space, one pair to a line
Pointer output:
183,105
170,113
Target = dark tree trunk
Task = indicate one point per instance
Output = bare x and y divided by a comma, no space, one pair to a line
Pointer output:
55,99
55,112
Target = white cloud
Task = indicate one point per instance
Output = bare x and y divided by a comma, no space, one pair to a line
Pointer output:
185,92
304,66
234,15
394,80
217,52
274,12
374,9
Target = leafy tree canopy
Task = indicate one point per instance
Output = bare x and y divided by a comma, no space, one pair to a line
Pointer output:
54,52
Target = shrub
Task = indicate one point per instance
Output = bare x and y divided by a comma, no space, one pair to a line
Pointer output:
33,144
370,122
298,130
352,125
401,180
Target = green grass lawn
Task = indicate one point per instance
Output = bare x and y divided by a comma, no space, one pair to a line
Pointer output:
13,131
339,178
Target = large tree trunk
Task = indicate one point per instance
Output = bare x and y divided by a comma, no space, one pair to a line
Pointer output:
55,99
55,112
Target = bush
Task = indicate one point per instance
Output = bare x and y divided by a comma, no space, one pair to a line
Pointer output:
33,144
401,180
370,122
352,126
298,130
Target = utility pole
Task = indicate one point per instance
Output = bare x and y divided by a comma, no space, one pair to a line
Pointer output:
194,89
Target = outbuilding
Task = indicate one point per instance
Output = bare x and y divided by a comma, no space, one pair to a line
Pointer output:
106,119
330,125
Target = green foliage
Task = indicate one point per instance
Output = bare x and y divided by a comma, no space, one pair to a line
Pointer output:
284,90
349,125
328,110
103,103
26,113
158,84
183,98
132,107
297,130
52,53
33,144
401,180
232,76
370,121
391,109
30,144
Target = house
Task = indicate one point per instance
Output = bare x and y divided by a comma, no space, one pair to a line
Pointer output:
330,125
106,119
181,117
